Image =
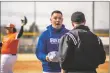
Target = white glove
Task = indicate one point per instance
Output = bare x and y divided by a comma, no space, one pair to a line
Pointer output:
53,56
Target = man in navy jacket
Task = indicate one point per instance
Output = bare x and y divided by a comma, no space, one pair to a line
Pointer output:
47,47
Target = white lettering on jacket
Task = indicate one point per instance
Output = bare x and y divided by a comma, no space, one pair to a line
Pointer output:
54,40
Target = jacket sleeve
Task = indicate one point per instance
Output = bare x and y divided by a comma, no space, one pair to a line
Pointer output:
64,45
20,32
0,44
102,54
41,49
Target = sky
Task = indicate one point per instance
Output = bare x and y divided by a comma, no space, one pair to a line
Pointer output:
13,12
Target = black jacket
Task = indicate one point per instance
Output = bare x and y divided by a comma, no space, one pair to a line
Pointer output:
80,50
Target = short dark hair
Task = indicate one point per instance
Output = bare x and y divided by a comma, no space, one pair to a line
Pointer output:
56,11
14,30
78,17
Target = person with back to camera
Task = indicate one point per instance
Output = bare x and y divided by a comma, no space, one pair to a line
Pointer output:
47,47
80,50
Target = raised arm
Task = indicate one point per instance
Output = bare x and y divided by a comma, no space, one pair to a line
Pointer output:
20,32
24,22
0,44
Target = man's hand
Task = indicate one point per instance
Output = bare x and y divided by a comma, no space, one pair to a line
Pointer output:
62,71
24,21
47,59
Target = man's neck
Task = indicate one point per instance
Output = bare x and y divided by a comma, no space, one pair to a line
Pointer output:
56,27
76,25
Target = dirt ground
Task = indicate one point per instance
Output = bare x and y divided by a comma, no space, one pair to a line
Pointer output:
35,67
28,63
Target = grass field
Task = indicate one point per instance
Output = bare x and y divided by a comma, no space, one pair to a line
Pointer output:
27,63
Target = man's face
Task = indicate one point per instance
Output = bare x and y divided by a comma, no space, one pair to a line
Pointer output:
9,30
56,20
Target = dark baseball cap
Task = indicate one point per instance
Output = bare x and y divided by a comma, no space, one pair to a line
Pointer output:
78,17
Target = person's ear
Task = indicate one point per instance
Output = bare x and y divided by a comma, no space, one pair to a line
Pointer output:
84,22
62,19
50,19
72,24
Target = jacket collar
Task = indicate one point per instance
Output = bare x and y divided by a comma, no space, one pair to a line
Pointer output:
82,27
